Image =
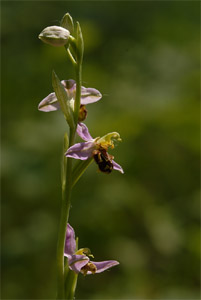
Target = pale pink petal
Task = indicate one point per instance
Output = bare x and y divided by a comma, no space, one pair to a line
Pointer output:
70,243
81,151
83,132
49,103
103,265
117,167
70,86
89,95
77,262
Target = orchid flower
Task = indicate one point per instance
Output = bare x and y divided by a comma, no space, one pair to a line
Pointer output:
79,261
88,95
96,148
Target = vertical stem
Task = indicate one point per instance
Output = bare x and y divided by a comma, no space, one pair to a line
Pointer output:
70,286
66,191
78,74
66,194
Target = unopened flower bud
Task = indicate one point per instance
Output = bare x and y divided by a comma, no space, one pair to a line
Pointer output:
55,36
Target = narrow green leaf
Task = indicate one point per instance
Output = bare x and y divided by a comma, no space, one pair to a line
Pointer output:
63,99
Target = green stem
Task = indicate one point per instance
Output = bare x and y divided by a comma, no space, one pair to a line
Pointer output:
67,188
71,57
66,194
78,75
70,286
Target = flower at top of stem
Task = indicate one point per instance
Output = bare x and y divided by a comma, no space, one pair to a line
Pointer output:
79,261
88,95
96,148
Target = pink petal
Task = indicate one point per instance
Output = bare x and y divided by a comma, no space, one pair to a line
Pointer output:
77,262
81,151
103,265
50,103
89,95
117,167
70,243
83,132
70,86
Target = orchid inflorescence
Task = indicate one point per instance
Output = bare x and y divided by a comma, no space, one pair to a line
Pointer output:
71,98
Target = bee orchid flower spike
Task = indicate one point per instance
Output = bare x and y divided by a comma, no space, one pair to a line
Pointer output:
96,148
71,98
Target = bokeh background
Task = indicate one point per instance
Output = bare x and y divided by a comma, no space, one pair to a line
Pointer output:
144,58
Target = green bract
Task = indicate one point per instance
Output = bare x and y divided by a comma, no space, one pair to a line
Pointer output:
55,36
67,22
80,43
63,99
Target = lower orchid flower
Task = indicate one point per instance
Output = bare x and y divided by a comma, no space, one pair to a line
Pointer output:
88,95
79,261
96,148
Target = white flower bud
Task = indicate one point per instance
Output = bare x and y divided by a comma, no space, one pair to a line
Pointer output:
55,36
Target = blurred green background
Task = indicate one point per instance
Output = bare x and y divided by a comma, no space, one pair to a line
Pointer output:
144,58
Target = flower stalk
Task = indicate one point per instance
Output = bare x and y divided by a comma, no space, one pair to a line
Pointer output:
67,184
65,208
78,71
70,285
